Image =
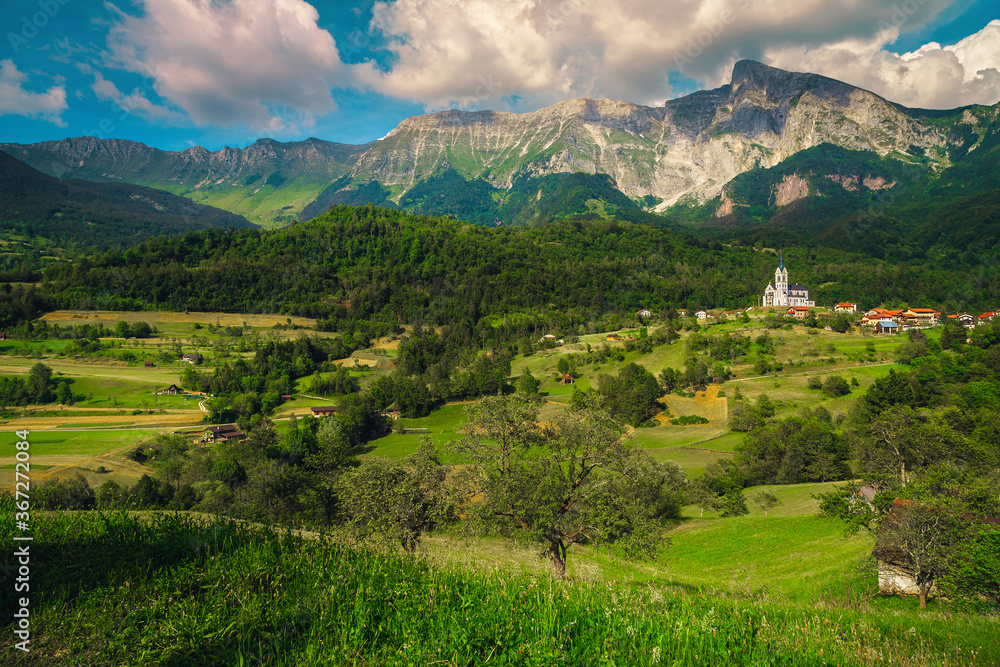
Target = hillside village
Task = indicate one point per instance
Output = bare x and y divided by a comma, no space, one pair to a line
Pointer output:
792,299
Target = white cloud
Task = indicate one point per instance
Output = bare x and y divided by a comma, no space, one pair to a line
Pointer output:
932,76
260,63
135,102
16,100
475,52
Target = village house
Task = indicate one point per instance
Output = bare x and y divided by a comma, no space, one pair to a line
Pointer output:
919,317
701,314
194,358
324,410
149,364
222,433
566,379
887,327
173,390
985,318
966,320
645,312
780,293
845,307
547,338
876,315
798,312
613,337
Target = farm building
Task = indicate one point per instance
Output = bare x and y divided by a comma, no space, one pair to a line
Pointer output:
222,433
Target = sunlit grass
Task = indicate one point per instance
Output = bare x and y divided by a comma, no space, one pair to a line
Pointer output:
170,590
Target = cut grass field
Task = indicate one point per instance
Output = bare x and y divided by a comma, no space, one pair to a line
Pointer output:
63,454
163,319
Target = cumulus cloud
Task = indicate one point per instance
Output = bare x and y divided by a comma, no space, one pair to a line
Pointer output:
478,52
16,100
265,64
932,76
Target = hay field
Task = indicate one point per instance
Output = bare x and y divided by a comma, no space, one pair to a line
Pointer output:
159,318
66,453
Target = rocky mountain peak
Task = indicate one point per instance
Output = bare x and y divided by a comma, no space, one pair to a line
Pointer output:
778,84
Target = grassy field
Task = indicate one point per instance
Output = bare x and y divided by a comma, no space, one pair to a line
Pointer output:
63,454
443,428
175,591
797,559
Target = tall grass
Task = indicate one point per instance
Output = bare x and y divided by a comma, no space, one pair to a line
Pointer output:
166,590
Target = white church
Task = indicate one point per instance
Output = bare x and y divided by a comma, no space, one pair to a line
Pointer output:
780,293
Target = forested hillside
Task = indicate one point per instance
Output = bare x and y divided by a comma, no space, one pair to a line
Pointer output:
45,220
369,263
391,264
99,215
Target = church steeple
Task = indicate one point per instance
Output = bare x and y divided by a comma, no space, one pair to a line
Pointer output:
781,260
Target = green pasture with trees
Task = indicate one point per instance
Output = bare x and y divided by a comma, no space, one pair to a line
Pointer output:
687,484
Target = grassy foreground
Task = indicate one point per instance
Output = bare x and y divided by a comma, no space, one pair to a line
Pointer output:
116,589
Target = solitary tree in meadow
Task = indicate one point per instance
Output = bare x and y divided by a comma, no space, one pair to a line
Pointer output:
765,500
572,481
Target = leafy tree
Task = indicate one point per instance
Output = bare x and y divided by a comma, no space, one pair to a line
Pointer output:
974,573
700,497
64,394
38,379
141,330
397,501
916,536
732,503
527,384
836,386
70,494
899,442
573,482
333,450
669,379
765,406
744,418
631,395
764,500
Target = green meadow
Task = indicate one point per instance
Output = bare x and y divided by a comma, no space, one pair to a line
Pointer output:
175,590
76,443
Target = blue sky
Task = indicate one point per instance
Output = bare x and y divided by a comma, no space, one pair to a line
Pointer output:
178,73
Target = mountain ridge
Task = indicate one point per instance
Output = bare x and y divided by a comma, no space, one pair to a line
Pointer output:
684,151
101,215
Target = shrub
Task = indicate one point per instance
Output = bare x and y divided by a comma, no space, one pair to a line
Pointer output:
836,386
